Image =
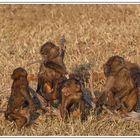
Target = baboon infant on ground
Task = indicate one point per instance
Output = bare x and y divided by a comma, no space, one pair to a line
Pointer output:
20,104
120,92
51,70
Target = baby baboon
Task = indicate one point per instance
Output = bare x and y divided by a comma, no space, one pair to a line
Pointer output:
20,104
51,70
71,92
120,92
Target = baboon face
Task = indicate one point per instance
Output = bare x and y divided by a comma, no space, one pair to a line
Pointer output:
71,86
50,51
113,65
18,73
54,52
46,47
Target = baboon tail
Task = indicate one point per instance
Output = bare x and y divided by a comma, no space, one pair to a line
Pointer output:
39,99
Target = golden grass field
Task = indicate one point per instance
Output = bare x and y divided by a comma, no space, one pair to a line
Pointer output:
93,33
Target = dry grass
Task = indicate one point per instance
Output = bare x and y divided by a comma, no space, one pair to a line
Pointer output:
93,34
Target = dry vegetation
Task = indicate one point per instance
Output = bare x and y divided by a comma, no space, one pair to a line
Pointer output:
93,33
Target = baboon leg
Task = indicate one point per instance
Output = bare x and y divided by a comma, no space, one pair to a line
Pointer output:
20,122
131,101
64,109
82,111
51,94
19,119
100,102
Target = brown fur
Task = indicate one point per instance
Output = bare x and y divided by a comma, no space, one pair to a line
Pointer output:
71,92
51,70
120,92
20,104
134,72
135,75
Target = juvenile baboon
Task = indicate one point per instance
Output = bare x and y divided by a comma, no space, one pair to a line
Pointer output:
71,92
51,70
120,92
86,80
20,104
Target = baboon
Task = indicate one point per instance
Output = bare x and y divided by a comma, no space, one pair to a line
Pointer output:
135,75
51,70
20,104
134,71
120,92
71,92
86,78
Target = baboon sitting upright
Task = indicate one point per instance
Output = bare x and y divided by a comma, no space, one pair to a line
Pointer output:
71,93
51,70
120,92
20,104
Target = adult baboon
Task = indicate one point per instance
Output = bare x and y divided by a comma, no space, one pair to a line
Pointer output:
120,92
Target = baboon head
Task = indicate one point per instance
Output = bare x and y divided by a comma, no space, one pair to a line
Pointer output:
46,47
71,86
50,51
19,73
113,64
